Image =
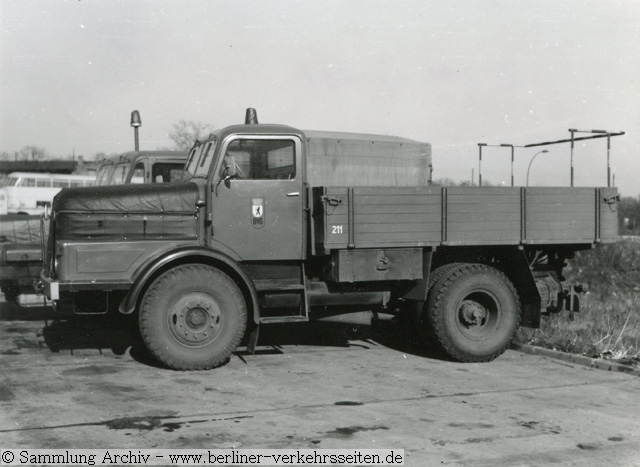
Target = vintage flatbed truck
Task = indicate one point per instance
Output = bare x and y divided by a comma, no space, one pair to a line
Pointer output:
275,224
20,235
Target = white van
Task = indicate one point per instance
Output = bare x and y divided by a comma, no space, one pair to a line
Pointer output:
30,193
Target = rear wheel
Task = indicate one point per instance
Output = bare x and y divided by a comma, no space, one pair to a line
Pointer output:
193,317
472,312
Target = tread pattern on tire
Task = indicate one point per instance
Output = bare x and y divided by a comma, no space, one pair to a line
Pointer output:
434,277
440,272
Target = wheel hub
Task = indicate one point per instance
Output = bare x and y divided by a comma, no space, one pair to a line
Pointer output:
472,313
197,319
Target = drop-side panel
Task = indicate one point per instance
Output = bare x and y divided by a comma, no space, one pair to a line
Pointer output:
482,216
375,217
560,215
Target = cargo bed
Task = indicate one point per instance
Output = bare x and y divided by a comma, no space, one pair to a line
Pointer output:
376,217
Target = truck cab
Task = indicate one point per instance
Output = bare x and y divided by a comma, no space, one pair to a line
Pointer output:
251,179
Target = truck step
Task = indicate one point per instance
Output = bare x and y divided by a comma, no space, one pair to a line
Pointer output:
277,286
283,319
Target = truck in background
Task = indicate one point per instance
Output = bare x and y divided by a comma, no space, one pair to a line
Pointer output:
273,224
20,236
141,167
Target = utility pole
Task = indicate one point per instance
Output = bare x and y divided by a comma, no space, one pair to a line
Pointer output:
480,163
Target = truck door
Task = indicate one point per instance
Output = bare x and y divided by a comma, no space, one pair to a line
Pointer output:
257,198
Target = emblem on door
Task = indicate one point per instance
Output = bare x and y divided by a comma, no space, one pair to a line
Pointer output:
257,212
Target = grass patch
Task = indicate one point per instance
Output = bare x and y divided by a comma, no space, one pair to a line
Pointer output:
609,321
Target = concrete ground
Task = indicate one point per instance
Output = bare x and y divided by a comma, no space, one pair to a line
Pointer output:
90,384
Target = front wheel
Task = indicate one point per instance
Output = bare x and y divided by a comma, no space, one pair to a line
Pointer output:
11,290
472,312
193,317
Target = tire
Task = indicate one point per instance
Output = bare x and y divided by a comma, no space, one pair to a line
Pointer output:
434,277
193,317
472,313
440,272
11,290
415,312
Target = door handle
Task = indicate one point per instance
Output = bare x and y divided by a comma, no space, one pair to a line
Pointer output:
293,193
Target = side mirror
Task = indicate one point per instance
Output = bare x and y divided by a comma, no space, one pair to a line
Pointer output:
229,167
228,172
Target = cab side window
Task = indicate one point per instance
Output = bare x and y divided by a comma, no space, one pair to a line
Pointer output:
138,173
163,172
261,159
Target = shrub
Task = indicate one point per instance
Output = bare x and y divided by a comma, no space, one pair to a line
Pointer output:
609,320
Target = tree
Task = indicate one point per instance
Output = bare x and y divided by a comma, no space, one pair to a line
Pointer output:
450,182
99,156
186,132
33,153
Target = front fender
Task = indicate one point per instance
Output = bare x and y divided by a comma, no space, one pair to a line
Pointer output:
189,255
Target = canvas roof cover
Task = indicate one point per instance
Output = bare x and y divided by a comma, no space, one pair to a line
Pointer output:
352,159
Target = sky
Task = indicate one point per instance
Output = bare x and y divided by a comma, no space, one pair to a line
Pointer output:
452,73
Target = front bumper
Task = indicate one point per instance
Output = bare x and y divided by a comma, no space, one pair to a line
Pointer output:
51,287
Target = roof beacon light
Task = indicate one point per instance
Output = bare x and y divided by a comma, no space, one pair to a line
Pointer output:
135,119
136,123
251,118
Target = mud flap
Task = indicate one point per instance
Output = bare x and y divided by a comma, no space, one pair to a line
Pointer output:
252,340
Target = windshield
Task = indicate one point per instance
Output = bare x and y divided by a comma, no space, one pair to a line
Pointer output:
199,160
11,181
120,173
104,175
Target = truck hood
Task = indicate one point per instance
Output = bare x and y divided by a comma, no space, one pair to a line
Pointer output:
127,212
152,198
